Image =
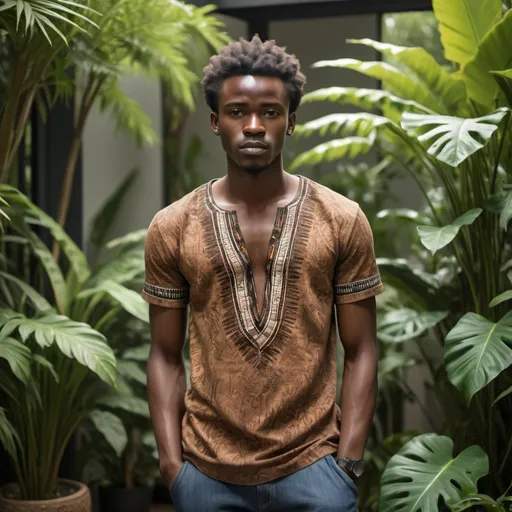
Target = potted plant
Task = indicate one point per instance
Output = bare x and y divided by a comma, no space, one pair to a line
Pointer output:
449,130
64,334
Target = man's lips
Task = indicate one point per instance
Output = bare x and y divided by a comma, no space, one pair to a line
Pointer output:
253,147
253,144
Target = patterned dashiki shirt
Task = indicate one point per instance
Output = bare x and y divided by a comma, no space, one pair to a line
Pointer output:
262,400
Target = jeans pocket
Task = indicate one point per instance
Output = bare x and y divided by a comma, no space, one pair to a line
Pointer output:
348,481
178,477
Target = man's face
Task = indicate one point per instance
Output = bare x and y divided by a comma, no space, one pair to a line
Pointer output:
253,120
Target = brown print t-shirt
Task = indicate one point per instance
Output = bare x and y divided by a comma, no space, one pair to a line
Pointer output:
262,400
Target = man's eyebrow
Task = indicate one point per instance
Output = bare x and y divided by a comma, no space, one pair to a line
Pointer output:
245,103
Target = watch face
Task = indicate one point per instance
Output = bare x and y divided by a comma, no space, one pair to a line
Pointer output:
358,468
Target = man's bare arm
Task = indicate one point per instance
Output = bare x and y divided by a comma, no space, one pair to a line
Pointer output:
167,385
357,328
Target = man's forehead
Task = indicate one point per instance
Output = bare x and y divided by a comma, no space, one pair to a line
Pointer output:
253,86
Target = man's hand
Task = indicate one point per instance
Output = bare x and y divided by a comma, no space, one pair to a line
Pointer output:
170,471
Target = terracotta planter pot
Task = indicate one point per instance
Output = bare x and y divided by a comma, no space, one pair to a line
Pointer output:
79,501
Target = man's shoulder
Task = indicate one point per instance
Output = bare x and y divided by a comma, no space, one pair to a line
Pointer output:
341,206
176,213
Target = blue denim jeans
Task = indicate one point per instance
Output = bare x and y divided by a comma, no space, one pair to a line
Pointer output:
320,487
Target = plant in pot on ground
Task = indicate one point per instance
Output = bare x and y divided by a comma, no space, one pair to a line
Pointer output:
63,331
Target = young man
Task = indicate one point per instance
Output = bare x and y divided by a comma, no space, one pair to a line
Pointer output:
262,258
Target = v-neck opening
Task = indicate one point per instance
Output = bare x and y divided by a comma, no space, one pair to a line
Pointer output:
259,317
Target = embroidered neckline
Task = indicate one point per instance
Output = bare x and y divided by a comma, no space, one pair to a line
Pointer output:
259,317
255,333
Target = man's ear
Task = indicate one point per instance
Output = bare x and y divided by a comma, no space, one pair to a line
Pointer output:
214,122
291,124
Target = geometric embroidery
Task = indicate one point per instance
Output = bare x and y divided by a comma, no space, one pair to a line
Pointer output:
258,335
166,293
357,286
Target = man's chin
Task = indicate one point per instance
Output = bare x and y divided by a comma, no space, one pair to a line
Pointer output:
254,169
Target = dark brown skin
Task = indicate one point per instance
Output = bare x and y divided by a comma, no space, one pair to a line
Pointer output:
254,111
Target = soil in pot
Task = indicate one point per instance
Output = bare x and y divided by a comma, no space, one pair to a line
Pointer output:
69,496
118,499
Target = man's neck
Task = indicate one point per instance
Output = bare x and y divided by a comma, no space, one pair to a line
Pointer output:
255,191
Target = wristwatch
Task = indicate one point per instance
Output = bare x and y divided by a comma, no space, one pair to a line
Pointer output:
354,467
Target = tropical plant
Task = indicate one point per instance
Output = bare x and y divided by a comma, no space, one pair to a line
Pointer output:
32,34
450,133
161,39
54,340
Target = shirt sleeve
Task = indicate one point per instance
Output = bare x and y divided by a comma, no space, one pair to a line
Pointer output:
356,276
164,284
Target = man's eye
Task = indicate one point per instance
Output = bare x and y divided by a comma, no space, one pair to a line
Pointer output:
235,112
271,113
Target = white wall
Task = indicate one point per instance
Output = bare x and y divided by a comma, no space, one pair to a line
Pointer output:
108,157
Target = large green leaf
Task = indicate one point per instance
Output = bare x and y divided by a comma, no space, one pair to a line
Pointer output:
476,351
448,91
44,255
393,80
76,340
35,215
111,428
435,237
133,238
463,25
123,268
367,99
18,356
333,150
502,297
130,300
362,124
8,436
494,54
132,371
39,302
504,80
406,324
424,470
106,215
127,403
456,138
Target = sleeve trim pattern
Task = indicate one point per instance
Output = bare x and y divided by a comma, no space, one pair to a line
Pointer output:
357,286
166,293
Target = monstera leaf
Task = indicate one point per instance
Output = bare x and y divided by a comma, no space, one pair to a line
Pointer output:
76,340
333,150
435,237
476,351
424,470
406,324
463,24
455,136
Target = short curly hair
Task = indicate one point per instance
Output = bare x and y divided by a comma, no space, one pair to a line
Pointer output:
253,58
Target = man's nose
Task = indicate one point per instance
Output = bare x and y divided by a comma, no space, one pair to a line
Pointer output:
254,126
